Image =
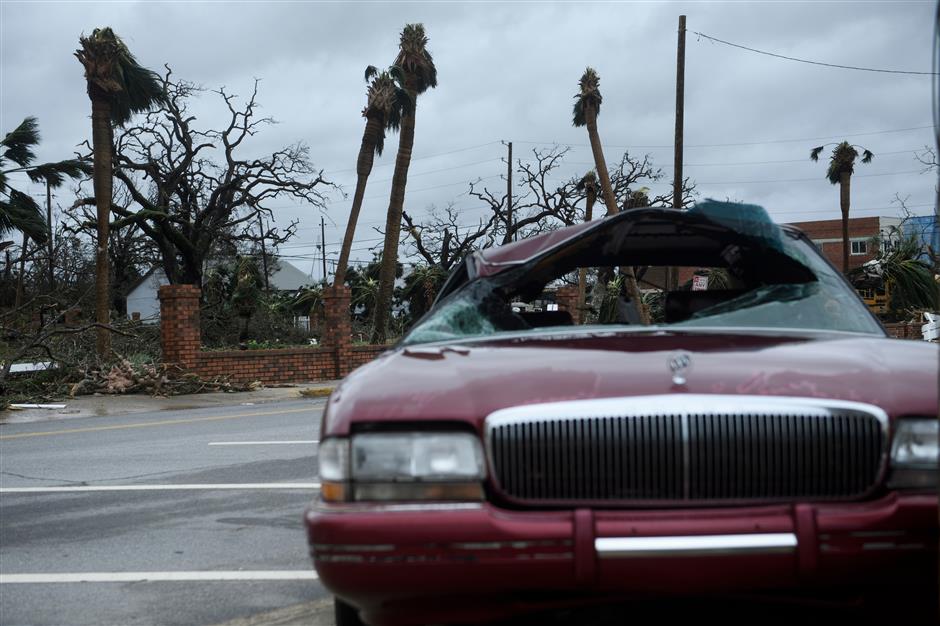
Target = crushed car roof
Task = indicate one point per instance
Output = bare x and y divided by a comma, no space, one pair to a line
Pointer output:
748,220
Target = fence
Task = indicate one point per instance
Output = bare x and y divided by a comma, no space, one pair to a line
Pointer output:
333,358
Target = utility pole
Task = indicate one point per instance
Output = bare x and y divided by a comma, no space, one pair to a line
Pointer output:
49,237
680,113
509,191
264,255
323,245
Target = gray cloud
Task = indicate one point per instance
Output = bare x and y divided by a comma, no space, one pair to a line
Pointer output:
508,71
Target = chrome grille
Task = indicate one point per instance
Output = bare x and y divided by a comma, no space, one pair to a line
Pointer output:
686,448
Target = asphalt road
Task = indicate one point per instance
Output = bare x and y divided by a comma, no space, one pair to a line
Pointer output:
156,508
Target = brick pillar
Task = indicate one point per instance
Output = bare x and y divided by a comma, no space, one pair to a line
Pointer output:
567,299
337,328
179,324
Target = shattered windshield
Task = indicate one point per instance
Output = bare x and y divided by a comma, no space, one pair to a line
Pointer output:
733,268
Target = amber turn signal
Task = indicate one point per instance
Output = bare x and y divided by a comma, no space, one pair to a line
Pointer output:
333,492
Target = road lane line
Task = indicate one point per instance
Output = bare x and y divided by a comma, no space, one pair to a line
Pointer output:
170,487
263,443
94,429
133,577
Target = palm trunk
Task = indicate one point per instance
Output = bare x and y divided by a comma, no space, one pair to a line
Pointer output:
582,273
396,203
101,145
363,169
845,182
633,291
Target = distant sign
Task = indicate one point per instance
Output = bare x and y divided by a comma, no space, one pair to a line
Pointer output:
699,283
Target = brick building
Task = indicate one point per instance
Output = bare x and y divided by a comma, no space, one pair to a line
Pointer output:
827,235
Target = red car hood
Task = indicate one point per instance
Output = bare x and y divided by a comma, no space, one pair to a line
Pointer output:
468,381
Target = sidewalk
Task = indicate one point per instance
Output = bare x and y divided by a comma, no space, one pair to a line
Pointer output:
104,405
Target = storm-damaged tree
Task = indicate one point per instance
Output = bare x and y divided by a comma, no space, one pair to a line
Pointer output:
841,168
386,101
440,241
118,87
414,69
587,106
193,192
18,210
541,205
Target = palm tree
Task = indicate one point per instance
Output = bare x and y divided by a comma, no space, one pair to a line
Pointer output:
841,168
385,103
118,87
414,68
18,210
901,270
587,106
587,184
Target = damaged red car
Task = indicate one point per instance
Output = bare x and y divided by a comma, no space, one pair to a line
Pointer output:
518,451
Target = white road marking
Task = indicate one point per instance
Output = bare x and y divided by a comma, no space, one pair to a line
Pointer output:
182,487
263,443
133,577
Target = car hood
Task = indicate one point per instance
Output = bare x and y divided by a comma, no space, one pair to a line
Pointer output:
467,381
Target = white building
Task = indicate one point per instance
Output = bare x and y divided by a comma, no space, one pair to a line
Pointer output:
142,298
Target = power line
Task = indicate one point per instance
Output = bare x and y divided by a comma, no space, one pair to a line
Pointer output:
835,65
427,156
799,180
912,151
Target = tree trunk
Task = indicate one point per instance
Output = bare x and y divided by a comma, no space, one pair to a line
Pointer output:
582,273
363,169
383,305
49,235
633,291
101,146
845,182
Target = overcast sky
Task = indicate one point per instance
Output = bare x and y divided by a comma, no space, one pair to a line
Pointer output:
507,71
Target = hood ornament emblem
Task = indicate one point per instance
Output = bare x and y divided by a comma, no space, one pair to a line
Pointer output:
679,363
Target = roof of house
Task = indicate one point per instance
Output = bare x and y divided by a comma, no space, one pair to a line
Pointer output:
284,277
287,277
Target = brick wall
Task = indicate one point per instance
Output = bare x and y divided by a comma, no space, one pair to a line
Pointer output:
334,358
903,330
271,367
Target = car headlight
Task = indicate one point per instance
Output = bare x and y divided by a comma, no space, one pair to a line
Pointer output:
914,454
402,466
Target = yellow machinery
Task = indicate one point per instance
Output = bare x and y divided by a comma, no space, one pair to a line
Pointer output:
876,298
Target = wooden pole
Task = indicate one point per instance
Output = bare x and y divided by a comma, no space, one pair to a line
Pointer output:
323,245
19,279
509,192
673,280
264,254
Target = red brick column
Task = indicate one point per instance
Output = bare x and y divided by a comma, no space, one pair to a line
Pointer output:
337,328
567,299
179,324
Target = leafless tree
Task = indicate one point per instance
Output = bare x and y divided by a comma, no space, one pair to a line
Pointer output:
441,241
540,204
192,192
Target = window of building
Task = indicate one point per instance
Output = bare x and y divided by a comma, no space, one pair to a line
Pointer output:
859,247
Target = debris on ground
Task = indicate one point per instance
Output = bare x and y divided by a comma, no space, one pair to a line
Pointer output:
152,378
